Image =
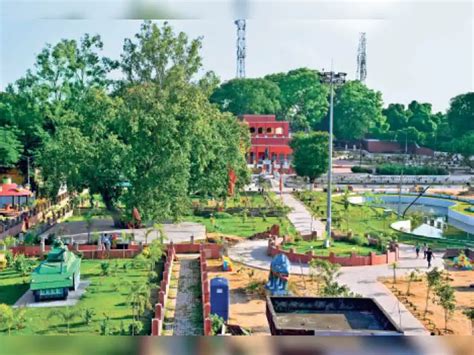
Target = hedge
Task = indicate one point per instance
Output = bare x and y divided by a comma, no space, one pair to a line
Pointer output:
396,169
361,169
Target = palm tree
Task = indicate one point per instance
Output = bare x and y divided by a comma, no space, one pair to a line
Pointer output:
67,315
6,316
148,231
139,299
87,315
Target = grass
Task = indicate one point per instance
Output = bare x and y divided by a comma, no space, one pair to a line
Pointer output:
100,296
463,207
337,247
367,219
359,219
235,225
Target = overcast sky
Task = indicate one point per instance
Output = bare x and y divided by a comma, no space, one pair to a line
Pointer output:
420,50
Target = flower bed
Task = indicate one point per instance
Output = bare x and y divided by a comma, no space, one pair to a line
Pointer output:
275,247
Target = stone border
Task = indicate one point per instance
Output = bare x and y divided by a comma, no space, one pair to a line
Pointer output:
275,247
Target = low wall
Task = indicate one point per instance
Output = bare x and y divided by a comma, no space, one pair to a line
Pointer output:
205,291
205,251
274,248
159,316
88,251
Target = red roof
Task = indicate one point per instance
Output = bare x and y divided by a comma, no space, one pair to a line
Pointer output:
13,190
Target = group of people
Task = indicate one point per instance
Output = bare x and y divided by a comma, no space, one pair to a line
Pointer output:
427,253
106,241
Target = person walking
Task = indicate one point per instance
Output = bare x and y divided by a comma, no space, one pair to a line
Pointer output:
425,249
417,250
429,256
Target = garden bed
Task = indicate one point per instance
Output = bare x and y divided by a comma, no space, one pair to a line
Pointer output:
108,296
459,324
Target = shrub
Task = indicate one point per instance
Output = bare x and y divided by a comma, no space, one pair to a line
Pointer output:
105,268
135,327
396,169
222,215
216,324
359,240
361,169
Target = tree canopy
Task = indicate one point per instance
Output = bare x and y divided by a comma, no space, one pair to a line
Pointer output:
460,114
357,111
248,96
154,130
310,154
303,99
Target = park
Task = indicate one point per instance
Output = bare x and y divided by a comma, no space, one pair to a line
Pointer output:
168,203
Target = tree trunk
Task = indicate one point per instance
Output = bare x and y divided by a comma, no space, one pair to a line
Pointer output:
427,300
110,206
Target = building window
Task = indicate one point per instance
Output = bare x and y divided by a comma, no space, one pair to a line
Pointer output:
269,130
252,130
260,130
278,130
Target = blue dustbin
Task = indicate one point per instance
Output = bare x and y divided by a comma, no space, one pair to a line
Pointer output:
220,297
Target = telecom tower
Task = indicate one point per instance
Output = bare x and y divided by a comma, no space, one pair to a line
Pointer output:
240,48
362,58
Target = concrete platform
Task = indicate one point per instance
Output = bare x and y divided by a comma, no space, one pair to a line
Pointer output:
28,300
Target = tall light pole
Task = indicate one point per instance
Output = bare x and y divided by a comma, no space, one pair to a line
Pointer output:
332,79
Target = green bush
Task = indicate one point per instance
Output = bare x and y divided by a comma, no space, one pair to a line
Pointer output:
359,240
361,169
396,169
222,215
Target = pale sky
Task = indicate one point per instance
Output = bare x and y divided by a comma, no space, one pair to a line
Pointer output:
420,50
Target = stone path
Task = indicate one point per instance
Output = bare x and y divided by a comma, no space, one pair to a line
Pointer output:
360,279
188,304
300,216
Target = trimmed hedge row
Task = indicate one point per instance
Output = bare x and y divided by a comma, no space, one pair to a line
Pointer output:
361,169
396,169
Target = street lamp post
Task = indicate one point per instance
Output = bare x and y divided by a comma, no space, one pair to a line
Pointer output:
332,79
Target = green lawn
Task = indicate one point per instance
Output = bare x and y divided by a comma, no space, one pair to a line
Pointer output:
101,296
360,219
235,225
463,207
372,220
337,247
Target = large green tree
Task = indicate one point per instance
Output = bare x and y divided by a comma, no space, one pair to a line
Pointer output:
397,116
310,154
357,111
303,99
460,114
179,143
248,96
465,147
86,150
10,147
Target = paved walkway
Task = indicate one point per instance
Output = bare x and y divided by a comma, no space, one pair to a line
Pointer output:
178,232
301,218
185,316
360,279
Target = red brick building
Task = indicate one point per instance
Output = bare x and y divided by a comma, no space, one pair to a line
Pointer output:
269,142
